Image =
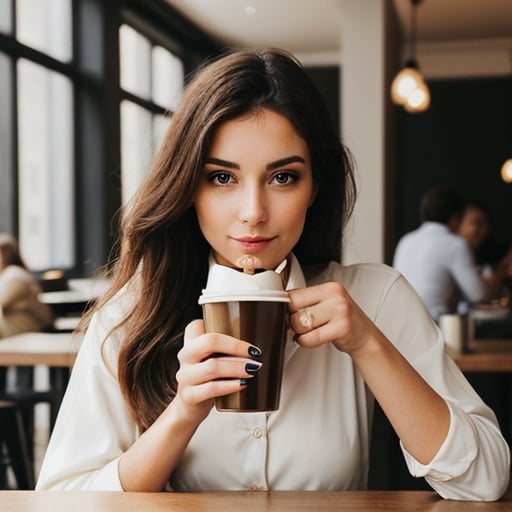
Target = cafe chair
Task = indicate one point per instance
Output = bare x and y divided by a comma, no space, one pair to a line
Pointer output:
23,397
13,437
25,401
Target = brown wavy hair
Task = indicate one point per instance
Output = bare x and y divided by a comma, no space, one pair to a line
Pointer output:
160,237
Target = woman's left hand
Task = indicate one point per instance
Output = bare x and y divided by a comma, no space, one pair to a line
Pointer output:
326,313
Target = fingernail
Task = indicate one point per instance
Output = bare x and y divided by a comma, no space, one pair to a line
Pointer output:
243,382
252,368
254,352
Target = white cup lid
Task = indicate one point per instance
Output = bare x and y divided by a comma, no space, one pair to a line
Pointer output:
228,284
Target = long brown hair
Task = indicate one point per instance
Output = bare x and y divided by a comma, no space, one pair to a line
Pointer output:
161,241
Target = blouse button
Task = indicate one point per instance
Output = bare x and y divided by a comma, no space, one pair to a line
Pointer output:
257,433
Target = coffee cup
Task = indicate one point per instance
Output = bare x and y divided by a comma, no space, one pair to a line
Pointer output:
252,308
452,327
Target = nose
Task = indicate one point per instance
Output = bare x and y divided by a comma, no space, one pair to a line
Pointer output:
253,206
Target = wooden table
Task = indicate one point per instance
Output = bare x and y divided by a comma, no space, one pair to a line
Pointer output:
255,501
66,302
57,350
485,356
40,348
81,294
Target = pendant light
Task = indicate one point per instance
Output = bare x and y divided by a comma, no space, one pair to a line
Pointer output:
408,87
506,171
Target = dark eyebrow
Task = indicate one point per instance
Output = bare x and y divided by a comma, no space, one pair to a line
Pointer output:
285,161
270,166
222,163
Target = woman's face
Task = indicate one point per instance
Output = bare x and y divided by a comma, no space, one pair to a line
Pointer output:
474,226
256,187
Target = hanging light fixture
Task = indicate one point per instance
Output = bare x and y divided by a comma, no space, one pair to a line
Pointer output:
408,87
506,171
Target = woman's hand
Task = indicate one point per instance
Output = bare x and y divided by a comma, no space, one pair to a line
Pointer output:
327,314
211,365
147,464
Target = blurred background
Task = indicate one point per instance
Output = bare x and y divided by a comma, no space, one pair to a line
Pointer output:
87,89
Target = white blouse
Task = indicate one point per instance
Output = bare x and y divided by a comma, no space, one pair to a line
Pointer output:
317,440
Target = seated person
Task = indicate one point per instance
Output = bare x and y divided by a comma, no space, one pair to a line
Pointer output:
20,308
493,258
254,165
438,262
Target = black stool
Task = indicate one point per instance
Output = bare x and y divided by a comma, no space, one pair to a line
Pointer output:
13,436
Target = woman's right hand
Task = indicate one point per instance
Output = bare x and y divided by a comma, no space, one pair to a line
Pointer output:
148,463
203,375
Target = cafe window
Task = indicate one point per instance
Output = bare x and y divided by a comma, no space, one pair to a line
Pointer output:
87,89
45,137
5,16
153,79
7,178
35,26
45,167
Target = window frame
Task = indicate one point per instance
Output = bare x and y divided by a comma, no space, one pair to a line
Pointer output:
94,72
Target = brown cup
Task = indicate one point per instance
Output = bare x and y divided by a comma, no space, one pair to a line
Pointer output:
261,323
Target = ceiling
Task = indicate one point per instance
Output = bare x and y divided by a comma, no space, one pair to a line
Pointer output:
313,26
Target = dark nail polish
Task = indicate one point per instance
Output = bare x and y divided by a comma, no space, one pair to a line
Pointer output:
254,352
252,368
243,382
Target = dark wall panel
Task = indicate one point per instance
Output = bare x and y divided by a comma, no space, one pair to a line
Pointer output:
461,141
327,80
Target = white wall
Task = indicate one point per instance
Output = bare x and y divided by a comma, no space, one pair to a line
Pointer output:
460,59
362,106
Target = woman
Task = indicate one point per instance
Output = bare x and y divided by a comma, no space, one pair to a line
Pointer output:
20,308
475,227
493,259
253,165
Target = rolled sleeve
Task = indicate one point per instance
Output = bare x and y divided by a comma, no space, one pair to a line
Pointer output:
456,454
104,479
459,471
473,462
108,477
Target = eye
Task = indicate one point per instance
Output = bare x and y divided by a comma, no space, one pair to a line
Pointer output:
284,177
220,178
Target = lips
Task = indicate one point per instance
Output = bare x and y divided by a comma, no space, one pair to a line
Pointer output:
253,244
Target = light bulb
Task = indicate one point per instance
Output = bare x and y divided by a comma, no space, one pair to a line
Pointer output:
404,83
506,171
419,99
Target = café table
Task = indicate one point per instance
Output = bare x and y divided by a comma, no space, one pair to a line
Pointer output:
485,355
67,302
54,349
246,501
76,298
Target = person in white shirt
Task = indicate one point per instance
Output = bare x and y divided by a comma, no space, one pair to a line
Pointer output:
439,263
252,164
